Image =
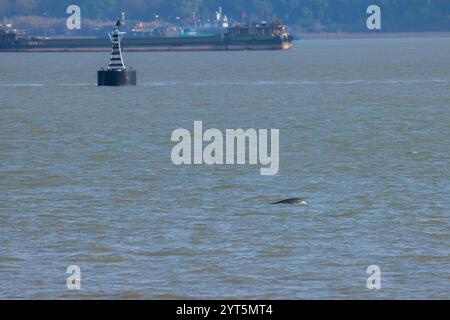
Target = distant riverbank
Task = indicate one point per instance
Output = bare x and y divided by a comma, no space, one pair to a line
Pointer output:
375,35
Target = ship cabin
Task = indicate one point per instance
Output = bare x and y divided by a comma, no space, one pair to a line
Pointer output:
259,29
9,37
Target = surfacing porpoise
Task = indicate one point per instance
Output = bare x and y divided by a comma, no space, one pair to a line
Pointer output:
293,201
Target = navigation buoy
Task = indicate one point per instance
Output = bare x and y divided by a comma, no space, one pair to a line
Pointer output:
116,74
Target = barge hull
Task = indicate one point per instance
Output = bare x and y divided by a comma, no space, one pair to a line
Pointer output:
158,49
211,43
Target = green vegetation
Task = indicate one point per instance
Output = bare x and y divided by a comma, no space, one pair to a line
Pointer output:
305,15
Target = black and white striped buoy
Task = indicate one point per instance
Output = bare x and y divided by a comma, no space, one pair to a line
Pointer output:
116,74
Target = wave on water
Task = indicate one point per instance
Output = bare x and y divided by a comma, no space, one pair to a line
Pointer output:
291,83
240,83
30,85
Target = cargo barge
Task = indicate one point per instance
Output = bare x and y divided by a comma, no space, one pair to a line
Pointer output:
260,36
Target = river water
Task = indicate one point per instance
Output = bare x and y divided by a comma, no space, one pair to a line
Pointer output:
86,176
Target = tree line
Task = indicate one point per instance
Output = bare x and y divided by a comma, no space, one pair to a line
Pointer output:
305,15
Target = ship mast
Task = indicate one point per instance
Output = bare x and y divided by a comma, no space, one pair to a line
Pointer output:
222,20
116,63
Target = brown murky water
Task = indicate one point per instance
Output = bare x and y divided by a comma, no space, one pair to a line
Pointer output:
86,177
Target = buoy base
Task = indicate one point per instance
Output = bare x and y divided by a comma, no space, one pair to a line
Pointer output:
116,78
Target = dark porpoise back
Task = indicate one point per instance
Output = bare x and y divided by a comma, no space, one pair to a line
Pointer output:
293,201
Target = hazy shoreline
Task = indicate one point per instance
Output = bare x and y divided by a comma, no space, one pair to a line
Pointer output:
375,35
